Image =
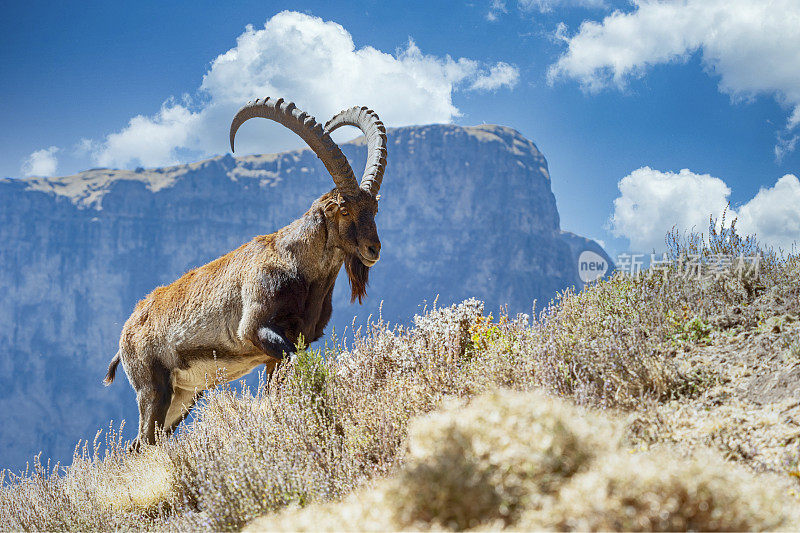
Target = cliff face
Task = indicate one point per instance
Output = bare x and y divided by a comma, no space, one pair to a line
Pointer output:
464,212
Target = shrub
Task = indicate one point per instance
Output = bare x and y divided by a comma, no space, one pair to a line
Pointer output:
525,461
487,461
658,491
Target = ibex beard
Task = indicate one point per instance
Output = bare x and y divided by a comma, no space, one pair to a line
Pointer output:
251,306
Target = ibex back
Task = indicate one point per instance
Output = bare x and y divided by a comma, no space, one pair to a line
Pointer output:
250,306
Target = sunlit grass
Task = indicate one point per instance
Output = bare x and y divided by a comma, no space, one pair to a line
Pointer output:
338,419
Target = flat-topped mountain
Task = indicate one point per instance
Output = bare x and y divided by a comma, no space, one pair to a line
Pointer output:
464,211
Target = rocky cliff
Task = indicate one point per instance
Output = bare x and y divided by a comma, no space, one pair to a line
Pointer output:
464,212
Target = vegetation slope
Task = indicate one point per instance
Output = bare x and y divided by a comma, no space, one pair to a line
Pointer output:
660,402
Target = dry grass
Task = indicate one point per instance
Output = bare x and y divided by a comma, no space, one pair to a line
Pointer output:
491,460
659,491
338,419
525,461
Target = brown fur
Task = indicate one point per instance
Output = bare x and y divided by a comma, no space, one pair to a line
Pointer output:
246,308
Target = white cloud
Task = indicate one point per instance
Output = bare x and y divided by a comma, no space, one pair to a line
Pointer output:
751,46
41,162
546,6
155,140
498,7
774,214
312,62
794,118
502,74
84,147
786,143
651,203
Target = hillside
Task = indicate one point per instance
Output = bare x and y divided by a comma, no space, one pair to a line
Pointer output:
664,402
465,212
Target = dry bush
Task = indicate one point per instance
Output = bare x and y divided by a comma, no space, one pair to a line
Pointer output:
369,509
115,491
139,483
605,346
483,463
489,460
615,343
528,461
659,491
778,272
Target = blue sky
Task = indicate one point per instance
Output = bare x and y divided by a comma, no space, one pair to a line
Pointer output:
650,114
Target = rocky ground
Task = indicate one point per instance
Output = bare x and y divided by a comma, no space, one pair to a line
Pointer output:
747,398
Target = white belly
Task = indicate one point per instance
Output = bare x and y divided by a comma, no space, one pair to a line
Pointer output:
207,373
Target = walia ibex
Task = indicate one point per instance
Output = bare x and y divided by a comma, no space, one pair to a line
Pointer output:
250,306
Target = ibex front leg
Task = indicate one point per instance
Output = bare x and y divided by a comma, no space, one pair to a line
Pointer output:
154,399
273,341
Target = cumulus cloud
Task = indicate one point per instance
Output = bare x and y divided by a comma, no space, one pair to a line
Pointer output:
153,140
41,162
316,64
500,75
652,202
774,213
751,46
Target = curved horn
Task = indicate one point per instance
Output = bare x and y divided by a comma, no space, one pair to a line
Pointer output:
303,124
368,122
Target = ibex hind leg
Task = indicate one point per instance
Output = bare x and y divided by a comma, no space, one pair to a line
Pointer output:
154,398
182,402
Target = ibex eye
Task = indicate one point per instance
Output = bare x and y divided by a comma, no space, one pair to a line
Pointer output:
343,211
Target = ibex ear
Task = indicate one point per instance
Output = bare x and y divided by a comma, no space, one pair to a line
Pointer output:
377,197
341,203
331,205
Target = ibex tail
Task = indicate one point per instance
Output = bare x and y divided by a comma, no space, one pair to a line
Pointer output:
112,370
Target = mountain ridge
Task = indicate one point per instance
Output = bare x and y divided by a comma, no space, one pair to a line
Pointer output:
86,188
464,212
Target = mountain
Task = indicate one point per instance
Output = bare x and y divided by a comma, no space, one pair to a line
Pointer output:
465,211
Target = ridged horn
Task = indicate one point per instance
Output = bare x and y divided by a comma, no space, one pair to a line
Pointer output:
304,125
368,122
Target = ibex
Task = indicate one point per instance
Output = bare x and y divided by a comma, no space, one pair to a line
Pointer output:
250,306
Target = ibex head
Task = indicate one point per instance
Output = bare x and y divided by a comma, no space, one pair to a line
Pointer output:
351,228
350,208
